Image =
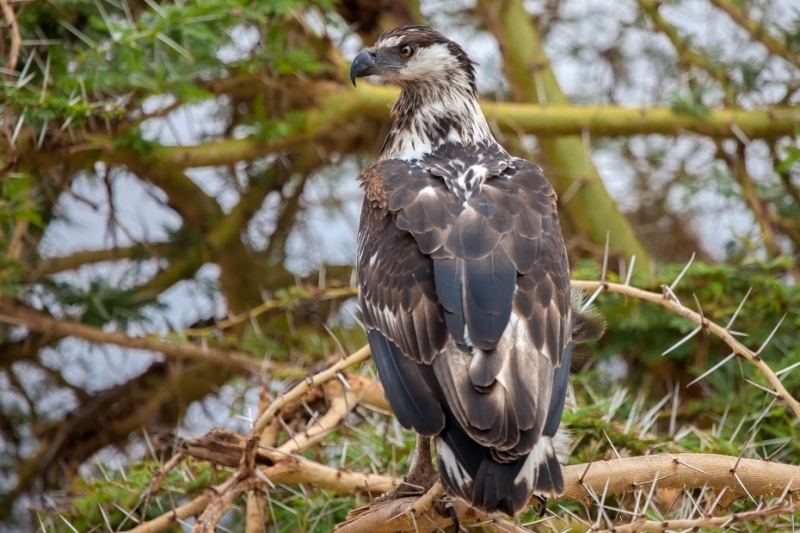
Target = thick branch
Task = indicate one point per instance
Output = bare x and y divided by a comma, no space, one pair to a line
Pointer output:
591,212
611,477
369,101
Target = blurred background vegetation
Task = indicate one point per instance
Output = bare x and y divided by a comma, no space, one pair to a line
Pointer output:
166,166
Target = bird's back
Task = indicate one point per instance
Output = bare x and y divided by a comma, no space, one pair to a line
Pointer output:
464,287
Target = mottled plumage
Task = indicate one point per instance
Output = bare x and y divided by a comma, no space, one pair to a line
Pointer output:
464,282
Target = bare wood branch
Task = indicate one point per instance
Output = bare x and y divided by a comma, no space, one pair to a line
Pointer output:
171,517
340,404
723,522
16,38
614,476
297,392
344,292
211,515
695,317
15,313
53,265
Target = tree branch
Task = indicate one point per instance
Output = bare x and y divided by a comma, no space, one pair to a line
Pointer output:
53,265
341,106
717,522
298,391
617,476
569,163
757,31
665,300
15,313
685,54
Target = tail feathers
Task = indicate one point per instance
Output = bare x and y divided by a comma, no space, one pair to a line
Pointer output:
470,473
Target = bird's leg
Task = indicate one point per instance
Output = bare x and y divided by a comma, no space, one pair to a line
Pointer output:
421,476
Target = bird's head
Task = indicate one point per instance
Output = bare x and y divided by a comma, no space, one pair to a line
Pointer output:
415,56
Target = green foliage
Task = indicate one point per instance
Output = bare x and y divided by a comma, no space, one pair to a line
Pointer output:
690,102
100,303
104,61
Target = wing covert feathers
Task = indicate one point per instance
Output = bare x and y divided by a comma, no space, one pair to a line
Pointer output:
464,286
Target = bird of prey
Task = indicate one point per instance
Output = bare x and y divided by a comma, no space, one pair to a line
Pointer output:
463,283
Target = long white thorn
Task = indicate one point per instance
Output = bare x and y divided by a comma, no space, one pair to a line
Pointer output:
745,488
630,271
716,501
694,332
768,391
787,369
591,299
674,414
786,490
775,330
754,427
650,494
612,445
712,369
674,296
730,322
678,279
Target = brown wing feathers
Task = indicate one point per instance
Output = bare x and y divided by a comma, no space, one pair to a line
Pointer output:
465,298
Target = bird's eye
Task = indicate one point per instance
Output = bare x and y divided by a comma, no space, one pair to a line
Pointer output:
406,51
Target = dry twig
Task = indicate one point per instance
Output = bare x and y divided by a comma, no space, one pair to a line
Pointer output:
296,393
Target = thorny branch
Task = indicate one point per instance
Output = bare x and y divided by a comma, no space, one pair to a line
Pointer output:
616,476
667,300
723,522
682,471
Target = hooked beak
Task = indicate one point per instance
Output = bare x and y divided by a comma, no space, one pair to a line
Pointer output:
363,65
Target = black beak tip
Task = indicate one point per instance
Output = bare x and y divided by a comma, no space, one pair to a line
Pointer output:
362,65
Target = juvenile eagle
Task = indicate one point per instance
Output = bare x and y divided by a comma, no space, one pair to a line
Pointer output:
463,283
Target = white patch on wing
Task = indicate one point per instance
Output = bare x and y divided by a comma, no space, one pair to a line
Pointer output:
537,456
562,444
448,459
515,339
373,258
471,180
426,191
468,341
